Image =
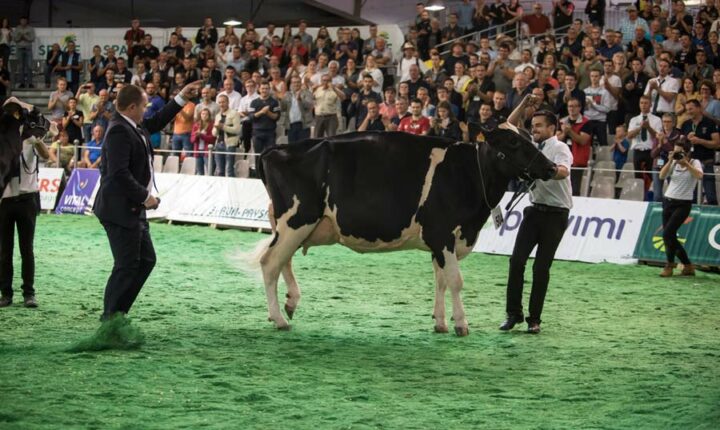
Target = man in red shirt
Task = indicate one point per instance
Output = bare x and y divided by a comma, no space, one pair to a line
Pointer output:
576,132
416,123
133,39
537,22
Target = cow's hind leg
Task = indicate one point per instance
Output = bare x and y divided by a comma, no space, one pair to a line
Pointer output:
439,309
277,256
453,279
293,290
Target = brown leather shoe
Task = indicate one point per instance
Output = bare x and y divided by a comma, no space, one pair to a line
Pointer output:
688,270
667,271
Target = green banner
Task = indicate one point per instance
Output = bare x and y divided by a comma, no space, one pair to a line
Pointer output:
700,235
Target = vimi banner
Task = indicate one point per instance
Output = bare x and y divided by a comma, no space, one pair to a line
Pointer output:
699,234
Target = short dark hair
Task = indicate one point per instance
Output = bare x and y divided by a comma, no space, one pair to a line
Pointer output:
693,102
415,100
574,99
550,117
128,95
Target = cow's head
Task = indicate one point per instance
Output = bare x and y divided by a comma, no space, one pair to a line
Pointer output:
514,154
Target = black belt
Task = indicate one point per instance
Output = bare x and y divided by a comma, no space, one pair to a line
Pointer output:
669,200
21,197
546,208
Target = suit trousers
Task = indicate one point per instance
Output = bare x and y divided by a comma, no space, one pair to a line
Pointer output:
22,212
134,259
543,226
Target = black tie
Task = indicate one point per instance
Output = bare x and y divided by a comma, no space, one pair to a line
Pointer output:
643,132
657,96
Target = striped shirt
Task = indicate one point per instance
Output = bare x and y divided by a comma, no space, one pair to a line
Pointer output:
682,183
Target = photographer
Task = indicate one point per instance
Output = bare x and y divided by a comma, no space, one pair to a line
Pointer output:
684,174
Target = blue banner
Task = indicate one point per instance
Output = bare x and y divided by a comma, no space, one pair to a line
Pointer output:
79,192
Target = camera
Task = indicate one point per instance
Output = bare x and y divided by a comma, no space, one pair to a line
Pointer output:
678,155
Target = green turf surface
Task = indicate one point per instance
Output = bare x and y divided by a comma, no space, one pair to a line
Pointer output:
620,349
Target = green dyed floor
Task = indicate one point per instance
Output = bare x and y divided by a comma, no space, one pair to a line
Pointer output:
620,348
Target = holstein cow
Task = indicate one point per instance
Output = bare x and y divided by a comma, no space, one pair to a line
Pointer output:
18,121
389,191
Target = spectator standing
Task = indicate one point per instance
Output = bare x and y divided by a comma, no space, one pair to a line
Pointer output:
73,121
58,101
663,90
326,98
102,110
296,107
595,11
4,81
207,34
562,12
633,88
147,51
686,93
575,131
538,23
630,23
5,40
202,138
568,92
226,130
265,112
182,129
94,64
232,95
156,103
51,61
86,99
24,36
464,13
61,153
703,135
642,130
503,69
446,125
206,102
453,29
408,59
620,148
133,39
597,102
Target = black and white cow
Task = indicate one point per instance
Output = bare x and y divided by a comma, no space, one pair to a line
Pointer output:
389,191
18,121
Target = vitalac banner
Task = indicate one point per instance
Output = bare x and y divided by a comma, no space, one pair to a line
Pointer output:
49,181
598,230
700,235
79,192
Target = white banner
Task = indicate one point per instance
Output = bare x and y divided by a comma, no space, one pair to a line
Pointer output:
598,230
49,182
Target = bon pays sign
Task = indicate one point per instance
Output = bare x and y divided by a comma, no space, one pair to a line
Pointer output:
699,234
79,192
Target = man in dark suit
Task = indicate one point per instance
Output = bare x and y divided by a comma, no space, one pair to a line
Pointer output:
126,192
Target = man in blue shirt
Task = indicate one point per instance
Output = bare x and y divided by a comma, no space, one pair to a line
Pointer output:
92,154
155,104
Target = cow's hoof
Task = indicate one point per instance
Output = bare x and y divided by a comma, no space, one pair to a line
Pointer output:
289,311
284,327
462,331
441,329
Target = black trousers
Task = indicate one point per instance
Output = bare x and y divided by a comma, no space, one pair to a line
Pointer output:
543,226
134,259
642,160
599,130
675,212
246,136
20,212
296,133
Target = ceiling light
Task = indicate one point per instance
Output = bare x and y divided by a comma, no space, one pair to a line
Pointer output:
435,5
232,22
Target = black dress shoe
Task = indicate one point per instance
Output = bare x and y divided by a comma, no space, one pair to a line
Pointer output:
510,322
5,301
533,328
30,302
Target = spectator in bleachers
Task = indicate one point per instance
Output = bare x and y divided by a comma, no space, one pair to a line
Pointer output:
373,120
613,84
62,153
707,14
663,90
639,42
584,65
174,48
442,95
147,51
415,123
571,47
480,90
207,96
202,138
460,78
538,23
503,69
229,92
575,131
265,114
122,74
92,154
634,87
597,104
663,144
58,101
687,92
519,91
177,84
428,109
51,61
245,113
620,148
109,83
498,13
686,55
595,11
703,134
226,129
401,112
6,38
387,107
86,99
569,91
296,111
359,100
452,30
672,44
134,37
408,59
141,76
24,36
69,66
346,48
415,81
699,38
681,19
641,132
444,124
709,104
701,70
500,111
562,12
630,23
182,129
102,110
4,81
207,34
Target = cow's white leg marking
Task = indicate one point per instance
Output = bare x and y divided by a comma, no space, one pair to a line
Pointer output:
439,309
453,279
293,290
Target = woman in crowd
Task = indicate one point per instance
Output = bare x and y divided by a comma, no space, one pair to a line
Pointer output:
202,138
684,173
445,124
278,88
62,153
687,92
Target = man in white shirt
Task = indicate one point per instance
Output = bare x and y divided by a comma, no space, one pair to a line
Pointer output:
641,133
662,90
245,113
597,104
232,95
613,84
543,224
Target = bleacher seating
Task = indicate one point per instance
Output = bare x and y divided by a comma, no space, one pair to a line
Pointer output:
172,164
188,166
603,187
633,189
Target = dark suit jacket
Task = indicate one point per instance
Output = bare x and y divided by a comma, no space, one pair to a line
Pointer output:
125,168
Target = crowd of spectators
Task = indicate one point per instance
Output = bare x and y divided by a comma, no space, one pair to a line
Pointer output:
636,88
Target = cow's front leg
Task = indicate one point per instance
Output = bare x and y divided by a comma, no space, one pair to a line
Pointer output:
454,280
439,309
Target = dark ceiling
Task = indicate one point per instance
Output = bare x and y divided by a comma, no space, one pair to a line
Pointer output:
169,13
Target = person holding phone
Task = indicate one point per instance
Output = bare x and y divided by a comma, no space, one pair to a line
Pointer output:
684,173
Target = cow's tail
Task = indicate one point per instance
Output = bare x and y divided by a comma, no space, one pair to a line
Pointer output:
249,261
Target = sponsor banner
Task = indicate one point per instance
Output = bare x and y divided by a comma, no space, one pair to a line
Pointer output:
49,180
700,235
598,230
79,192
170,190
